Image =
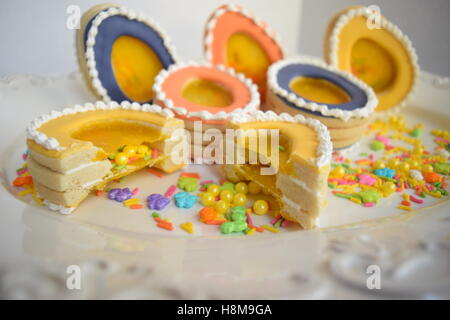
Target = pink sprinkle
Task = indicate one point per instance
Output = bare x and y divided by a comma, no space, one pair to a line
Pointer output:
217,198
371,157
135,191
382,138
22,171
285,223
367,180
369,204
275,220
414,199
428,187
249,220
24,156
155,153
206,182
170,191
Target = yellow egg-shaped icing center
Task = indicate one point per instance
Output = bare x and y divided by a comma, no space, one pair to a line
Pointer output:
318,90
135,66
206,93
111,135
246,55
373,64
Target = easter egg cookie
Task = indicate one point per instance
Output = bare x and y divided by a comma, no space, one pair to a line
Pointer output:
299,158
81,149
120,53
237,39
205,95
310,87
361,41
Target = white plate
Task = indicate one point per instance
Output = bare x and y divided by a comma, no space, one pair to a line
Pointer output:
123,254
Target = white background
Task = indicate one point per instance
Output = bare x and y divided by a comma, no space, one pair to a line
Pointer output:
34,37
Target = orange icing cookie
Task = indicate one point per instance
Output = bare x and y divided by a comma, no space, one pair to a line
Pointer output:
376,51
205,93
235,38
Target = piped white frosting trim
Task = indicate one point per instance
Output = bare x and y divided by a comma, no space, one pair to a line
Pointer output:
163,75
363,112
385,24
209,33
53,144
58,208
92,34
324,149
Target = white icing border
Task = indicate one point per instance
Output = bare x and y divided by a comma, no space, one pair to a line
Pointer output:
92,33
211,24
324,149
385,24
252,105
363,112
58,208
53,144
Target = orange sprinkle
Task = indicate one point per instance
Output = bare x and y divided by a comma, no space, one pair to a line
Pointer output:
406,203
257,228
136,206
190,175
165,226
207,214
21,181
155,172
99,193
215,222
432,177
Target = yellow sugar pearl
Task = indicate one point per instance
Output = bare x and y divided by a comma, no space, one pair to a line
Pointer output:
418,150
379,164
427,168
414,164
260,207
226,195
221,206
121,159
207,199
338,172
404,166
393,163
239,199
254,188
214,189
389,188
241,187
130,150
142,149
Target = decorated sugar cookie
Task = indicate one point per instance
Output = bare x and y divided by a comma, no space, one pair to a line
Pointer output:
310,87
376,51
205,94
299,185
235,38
81,149
120,52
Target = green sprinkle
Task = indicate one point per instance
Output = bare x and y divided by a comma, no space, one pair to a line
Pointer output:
342,195
423,195
121,148
155,215
278,223
121,168
332,185
364,154
377,145
147,157
416,132
443,192
282,149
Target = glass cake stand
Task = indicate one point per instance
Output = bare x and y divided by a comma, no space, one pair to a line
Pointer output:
122,254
